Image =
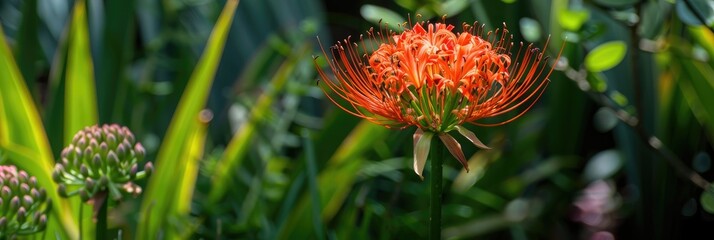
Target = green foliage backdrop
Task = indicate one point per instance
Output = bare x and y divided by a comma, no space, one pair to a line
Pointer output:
223,96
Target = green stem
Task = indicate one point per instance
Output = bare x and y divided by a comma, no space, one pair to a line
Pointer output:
102,232
437,153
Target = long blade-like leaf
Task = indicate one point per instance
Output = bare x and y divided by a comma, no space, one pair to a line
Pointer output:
22,129
194,152
158,204
80,93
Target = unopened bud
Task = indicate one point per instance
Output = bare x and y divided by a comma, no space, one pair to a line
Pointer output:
32,181
62,190
84,170
139,151
5,192
22,176
15,203
134,169
27,201
89,183
97,161
112,159
149,168
24,188
82,143
103,148
43,195
121,151
84,195
42,223
14,183
111,140
93,144
21,215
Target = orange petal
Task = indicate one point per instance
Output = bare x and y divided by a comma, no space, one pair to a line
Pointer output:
455,149
422,143
471,137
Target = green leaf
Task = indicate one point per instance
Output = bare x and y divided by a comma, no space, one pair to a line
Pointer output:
530,29
616,3
22,136
603,165
573,20
707,201
375,14
80,91
697,90
194,154
452,7
696,12
605,56
171,162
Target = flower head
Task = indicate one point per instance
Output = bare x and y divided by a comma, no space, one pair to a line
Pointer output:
22,203
101,159
436,79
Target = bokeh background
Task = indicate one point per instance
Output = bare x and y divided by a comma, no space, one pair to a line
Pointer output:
619,146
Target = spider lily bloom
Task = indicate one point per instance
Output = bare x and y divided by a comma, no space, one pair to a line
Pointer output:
436,79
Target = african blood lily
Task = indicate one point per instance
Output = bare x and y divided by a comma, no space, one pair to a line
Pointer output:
436,79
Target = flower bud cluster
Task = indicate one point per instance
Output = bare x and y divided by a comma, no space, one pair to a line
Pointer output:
22,203
102,158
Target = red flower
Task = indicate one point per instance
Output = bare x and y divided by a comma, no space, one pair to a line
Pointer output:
433,78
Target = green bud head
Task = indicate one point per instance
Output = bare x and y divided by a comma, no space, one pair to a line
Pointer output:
20,200
104,156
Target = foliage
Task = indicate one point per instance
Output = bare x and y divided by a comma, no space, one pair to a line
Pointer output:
223,97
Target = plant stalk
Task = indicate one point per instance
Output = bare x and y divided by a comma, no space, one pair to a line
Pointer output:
437,154
102,231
